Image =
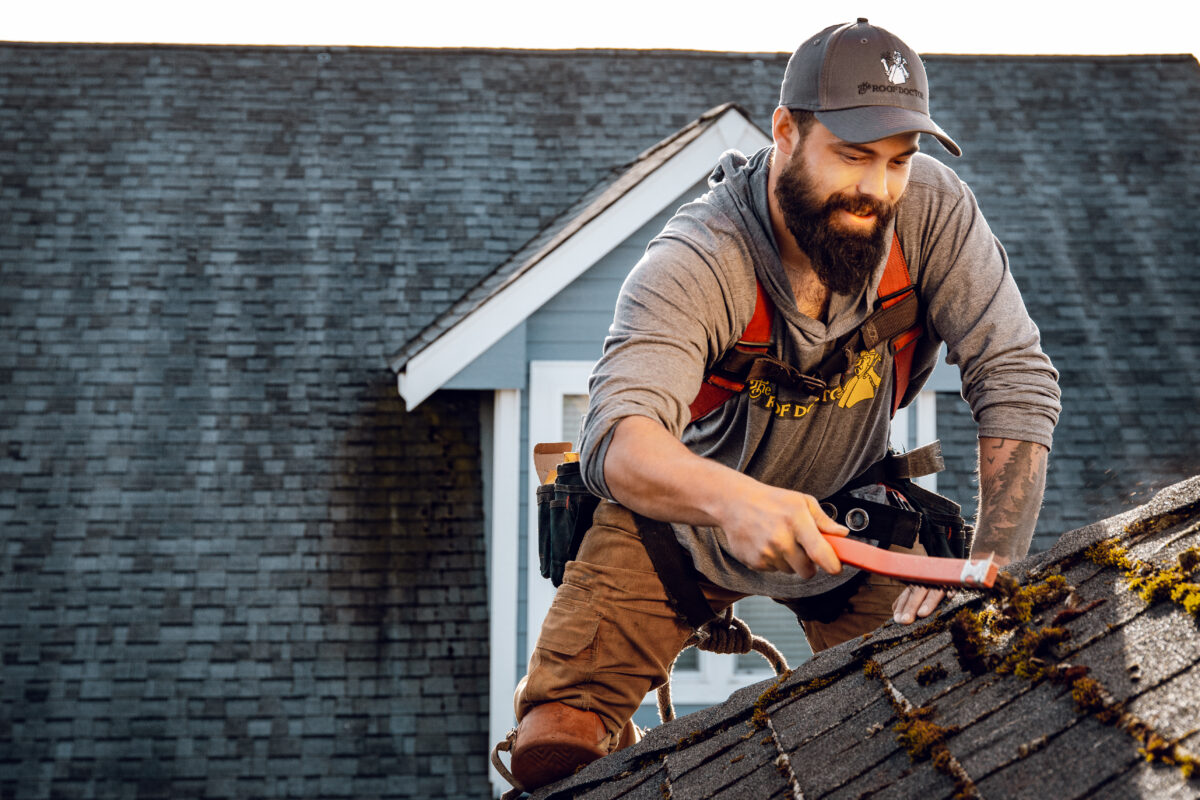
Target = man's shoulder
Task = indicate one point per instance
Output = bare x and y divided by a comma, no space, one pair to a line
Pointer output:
935,196
930,177
705,227
723,214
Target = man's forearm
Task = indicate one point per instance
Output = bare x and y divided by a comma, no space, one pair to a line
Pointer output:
1012,480
767,528
651,472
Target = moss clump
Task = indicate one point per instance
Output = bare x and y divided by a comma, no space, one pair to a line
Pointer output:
922,738
1153,584
931,673
919,735
1091,698
1041,595
1027,656
1157,749
1189,559
1004,587
970,642
759,716
1167,584
691,739
774,694
1109,554
1024,602
1088,694
1161,522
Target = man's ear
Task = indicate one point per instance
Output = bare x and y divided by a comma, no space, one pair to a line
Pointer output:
784,131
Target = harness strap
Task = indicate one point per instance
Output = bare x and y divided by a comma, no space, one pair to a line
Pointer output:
895,287
925,460
896,318
722,383
676,571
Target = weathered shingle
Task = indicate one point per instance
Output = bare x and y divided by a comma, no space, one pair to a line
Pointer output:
1077,686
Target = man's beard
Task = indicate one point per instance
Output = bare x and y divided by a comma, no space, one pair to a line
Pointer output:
843,260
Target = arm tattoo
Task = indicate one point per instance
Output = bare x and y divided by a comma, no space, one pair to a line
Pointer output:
1012,480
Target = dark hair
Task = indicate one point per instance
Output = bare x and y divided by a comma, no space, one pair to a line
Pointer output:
803,119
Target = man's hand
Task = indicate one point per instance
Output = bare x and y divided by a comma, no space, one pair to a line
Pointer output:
916,602
779,530
767,528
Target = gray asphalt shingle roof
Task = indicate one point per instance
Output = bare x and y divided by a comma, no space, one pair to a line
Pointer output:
1076,686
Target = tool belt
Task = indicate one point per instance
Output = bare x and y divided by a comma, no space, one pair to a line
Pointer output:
910,513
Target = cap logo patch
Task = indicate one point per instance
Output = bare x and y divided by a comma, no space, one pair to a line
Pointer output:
895,66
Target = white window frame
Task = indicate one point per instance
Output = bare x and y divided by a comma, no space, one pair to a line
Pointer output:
914,426
504,427
549,382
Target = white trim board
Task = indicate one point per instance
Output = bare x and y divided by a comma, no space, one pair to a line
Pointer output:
503,558
446,356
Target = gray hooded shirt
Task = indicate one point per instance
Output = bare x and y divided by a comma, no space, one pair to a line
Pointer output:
690,297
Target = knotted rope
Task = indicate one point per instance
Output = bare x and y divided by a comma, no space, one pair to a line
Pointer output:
506,747
726,636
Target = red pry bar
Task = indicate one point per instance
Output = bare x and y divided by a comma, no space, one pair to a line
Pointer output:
954,572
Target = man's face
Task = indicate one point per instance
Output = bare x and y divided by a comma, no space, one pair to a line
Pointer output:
837,200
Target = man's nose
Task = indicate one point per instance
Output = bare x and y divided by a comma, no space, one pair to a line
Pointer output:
873,182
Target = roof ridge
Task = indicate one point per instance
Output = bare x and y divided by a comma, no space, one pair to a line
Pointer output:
583,51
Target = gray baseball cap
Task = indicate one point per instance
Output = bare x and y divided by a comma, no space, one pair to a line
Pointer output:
863,83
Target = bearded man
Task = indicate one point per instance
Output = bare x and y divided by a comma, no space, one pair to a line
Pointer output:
807,224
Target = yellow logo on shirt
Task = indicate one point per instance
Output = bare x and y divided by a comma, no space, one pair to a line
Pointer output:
862,385
865,381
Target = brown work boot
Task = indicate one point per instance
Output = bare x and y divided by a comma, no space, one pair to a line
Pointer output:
554,740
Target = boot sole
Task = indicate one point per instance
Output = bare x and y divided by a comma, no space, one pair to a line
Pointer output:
540,765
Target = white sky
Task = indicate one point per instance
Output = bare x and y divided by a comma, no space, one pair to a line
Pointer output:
966,26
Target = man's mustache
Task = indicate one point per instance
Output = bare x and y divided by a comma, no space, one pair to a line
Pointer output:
859,204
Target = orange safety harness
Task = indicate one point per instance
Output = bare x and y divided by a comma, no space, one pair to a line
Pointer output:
896,318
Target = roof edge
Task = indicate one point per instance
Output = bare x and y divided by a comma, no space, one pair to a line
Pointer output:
632,197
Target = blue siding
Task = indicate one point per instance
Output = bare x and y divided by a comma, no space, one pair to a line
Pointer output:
502,366
573,324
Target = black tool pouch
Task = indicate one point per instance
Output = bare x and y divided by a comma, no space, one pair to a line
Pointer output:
944,533
934,520
565,510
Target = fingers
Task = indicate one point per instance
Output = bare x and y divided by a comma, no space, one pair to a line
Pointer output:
916,602
781,530
809,528
825,523
797,561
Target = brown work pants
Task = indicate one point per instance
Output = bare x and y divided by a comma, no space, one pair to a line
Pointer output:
611,634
